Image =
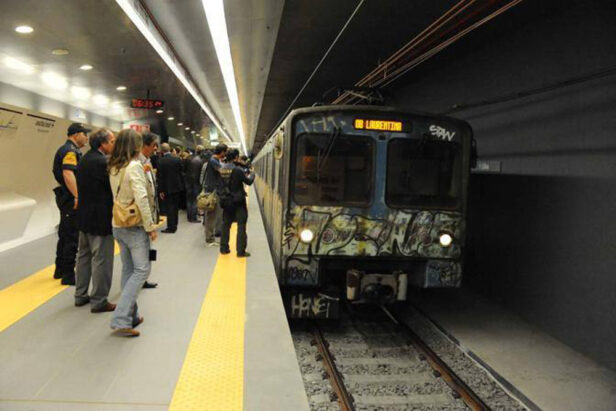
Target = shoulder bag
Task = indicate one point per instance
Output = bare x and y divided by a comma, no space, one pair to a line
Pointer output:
125,215
206,201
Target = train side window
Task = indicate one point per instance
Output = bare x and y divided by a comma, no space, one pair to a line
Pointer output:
333,170
423,173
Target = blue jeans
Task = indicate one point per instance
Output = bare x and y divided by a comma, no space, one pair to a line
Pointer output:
135,255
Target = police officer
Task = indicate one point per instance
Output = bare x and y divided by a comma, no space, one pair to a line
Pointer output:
67,199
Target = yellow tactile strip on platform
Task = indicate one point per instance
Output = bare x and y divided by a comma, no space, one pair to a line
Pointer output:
23,297
212,377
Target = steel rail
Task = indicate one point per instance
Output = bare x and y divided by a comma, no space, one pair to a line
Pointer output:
447,374
344,398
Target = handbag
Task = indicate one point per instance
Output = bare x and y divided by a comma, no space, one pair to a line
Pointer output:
125,215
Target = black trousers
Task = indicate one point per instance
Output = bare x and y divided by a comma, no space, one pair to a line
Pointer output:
172,203
238,214
68,239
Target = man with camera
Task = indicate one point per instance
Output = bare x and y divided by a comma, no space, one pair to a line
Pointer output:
233,202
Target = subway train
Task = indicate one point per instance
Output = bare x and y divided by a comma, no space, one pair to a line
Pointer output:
361,202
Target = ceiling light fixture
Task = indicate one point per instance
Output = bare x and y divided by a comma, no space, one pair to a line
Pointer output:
215,15
187,128
159,112
86,67
159,44
54,81
121,88
80,93
60,52
24,29
180,124
15,64
171,118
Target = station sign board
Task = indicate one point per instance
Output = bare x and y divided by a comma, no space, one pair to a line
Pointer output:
146,103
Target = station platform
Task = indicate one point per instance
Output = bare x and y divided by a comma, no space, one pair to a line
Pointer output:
215,335
542,369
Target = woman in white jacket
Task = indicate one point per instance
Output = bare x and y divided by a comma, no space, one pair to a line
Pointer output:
129,185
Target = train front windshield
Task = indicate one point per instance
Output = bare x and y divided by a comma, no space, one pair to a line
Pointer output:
423,173
333,169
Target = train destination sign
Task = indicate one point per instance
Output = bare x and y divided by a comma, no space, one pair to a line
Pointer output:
379,125
146,103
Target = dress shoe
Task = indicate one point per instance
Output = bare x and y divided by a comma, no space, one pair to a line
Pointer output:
217,234
150,285
244,254
224,251
167,231
68,281
82,302
127,332
106,308
57,275
139,321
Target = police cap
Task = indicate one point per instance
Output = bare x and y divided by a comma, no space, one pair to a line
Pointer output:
77,128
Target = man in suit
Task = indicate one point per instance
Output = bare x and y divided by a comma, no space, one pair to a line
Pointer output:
148,152
95,255
193,170
170,185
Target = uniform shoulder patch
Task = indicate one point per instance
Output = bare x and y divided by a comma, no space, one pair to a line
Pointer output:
70,159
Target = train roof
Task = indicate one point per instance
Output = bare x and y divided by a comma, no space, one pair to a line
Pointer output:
383,109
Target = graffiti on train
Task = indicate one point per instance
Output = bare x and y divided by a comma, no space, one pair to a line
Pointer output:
313,306
339,232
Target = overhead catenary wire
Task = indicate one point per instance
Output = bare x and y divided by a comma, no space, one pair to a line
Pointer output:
329,49
393,67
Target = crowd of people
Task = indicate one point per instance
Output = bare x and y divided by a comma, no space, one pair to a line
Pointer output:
118,191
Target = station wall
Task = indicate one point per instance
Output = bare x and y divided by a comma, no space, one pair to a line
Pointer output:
542,232
32,128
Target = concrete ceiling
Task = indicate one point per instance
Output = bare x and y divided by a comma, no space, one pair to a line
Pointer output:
97,33
275,45
307,29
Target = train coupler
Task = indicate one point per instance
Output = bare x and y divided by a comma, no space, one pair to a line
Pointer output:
362,287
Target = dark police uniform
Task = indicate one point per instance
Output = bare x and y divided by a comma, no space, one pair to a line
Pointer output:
67,157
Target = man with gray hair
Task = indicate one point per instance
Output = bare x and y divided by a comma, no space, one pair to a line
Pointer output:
95,255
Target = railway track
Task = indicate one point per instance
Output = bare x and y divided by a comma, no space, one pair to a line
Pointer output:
375,362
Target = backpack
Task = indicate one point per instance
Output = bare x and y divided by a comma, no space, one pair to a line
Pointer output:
225,197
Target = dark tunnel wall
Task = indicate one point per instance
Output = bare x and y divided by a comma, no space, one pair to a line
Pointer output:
542,232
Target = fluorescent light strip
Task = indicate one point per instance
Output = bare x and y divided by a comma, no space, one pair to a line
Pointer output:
215,15
139,19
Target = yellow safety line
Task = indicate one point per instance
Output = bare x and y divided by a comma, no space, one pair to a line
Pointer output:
212,377
23,297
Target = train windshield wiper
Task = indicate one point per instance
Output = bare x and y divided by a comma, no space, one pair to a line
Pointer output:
328,148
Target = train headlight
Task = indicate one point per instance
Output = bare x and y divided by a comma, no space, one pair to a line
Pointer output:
445,240
306,235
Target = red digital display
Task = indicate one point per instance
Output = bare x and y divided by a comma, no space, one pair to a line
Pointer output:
146,103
